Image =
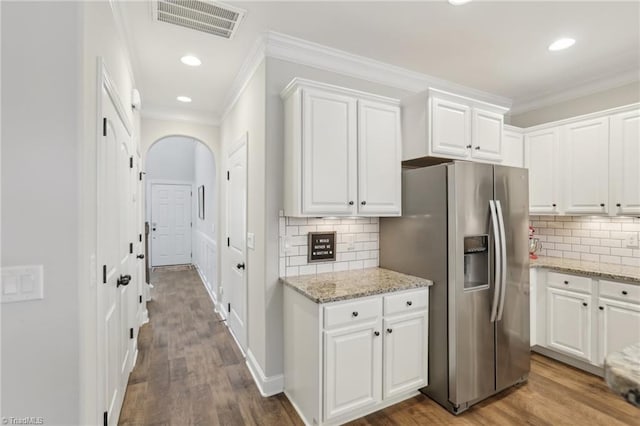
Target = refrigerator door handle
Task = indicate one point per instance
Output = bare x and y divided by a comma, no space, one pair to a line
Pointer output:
503,259
497,259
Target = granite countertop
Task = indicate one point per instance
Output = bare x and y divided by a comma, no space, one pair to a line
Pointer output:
622,373
629,274
334,286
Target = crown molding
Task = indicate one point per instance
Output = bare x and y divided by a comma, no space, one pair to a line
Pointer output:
174,114
585,89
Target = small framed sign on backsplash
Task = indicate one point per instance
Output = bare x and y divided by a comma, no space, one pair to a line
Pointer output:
322,247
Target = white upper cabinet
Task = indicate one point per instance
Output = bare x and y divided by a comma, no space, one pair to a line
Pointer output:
441,124
379,159
586,166
451,128
541,158
343,152
625,163
512,147
487,135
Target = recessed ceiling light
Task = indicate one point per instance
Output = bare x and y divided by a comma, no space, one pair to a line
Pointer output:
185,99
458,2
561,44
191,61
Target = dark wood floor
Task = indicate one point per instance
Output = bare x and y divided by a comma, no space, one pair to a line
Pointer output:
190,372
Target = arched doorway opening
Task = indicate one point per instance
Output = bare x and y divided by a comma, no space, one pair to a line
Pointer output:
181,206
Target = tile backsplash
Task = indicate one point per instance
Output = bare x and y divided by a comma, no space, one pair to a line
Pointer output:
590,238
357,242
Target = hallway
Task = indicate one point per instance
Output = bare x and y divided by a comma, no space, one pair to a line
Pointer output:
189,369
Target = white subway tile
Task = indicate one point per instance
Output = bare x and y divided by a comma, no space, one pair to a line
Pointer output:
334,221
325,228
570,255
580,232
548,246
324,267
371,245
554,253
622,219
571,240
572,225
631,227
292,230
340,266
554,239
374,220
600,250
589,257
630,261
362,255
563,247
304,230
608,226
610,259
563,232
342,247
356,228
563,219
374,227
599,234
297,260
546,231
341,229
282,267
370,263
608,242
302,250
299,240
590,241
581,248
344,257
619,235
374,254
539,224
374,236
307,270
363,220
362,237
591,225
555,224
293,271
636,253
295,221
356,264
622,252
282,227
315,221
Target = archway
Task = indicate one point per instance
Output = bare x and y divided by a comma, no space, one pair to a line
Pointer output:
181,206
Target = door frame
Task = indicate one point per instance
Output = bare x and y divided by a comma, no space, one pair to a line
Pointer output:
239,142
104,81
148,201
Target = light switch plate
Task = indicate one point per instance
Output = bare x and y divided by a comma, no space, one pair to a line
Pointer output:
21,283
251,240
632,240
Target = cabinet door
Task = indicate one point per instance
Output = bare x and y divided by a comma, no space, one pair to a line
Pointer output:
487,135
450,128
569,322
329,149
379,159
541,158
625,163
405,354
512,149
352,369
586,166
619,326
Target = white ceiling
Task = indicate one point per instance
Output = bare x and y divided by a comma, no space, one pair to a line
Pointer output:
496,47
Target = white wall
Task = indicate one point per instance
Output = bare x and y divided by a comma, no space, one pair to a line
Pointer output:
618,96
40,121
154,129
171,158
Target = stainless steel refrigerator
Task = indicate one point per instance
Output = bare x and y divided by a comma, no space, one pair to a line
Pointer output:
465,226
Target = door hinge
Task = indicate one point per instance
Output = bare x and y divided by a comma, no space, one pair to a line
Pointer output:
131,333
104,126
104,274
228,175
140,298
140,237
130,248
229,307
191,254
228,242
191,224
104,419
140,176
131,162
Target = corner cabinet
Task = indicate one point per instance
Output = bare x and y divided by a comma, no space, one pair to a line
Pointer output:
441,124
344,360
625,163
343,151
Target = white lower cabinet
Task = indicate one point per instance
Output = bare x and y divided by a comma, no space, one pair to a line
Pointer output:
584,318
569,322
346,359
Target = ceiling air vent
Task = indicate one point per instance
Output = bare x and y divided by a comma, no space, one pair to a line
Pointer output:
201,15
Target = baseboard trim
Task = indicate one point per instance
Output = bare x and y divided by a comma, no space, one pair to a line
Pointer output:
582,365
268,386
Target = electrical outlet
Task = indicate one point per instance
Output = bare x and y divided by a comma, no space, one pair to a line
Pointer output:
632,240
350,241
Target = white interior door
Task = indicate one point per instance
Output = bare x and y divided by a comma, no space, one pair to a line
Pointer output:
114,235
170,224
236,287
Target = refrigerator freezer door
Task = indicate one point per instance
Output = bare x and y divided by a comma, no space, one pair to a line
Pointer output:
512,330
471,332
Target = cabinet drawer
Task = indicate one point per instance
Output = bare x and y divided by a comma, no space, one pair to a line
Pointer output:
348,313
569,282
409,301
620,291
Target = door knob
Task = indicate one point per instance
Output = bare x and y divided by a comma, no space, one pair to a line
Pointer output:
240,266
140,256
123,280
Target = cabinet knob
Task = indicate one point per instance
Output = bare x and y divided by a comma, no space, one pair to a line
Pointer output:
350,203
624,292
477,148
566,282
469,146
364,203
409,303
601,308
553,205
601,204
354,314
376,333
584,304
389,330
618,205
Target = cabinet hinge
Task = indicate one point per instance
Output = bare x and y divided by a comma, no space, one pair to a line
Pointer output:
228,175
104,126
228,242
140,237
104,419
131,333
140,176
104,274
140,299
131,162
229,307
130,248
